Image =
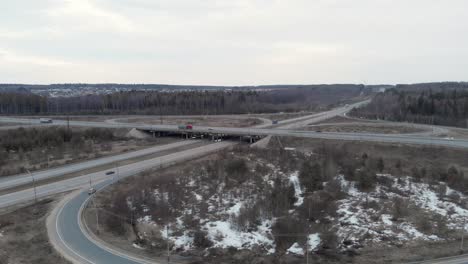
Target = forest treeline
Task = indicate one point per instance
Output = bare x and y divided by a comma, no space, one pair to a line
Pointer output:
448,107
181,102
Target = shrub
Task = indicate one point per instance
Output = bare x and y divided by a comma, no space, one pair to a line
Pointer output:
201,240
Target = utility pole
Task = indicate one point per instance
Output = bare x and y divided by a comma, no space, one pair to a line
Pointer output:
168,249
462,234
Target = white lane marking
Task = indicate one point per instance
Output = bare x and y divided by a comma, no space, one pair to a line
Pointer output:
100,245
60,237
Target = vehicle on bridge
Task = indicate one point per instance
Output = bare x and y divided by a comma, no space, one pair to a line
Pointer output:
188,126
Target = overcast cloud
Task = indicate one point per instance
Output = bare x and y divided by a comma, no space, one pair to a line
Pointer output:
233,42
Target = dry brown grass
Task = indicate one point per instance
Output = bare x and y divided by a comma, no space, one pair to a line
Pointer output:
23,236
215,121
364,128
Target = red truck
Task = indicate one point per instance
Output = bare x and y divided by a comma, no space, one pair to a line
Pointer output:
189,126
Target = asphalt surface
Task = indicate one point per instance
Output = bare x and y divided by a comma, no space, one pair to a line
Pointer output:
67,230
69,233
286,124
121,171
26,178
78,246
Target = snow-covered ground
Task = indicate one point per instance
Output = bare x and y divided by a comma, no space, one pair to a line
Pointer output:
362,218
360,224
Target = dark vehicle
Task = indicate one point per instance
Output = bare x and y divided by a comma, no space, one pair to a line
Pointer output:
110,172
275,122
45,120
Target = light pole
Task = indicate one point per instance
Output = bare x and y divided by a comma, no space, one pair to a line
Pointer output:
91,192
97,217
117,169
34,185
463,233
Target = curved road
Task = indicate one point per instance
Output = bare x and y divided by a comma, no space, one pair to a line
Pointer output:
68,236
67,232
65,228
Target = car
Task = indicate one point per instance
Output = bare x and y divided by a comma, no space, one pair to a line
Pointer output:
210,129
110,172
91,191
45,120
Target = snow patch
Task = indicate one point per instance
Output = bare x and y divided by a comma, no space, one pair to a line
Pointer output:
313,241
294,180
296,249
223,235
235,208
135,245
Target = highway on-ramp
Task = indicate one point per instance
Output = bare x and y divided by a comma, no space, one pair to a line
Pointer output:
66,230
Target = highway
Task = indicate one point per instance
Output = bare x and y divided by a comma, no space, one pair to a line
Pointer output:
121,171
26,178
67,234
261,130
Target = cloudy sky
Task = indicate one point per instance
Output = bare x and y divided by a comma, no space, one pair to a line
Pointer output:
233,42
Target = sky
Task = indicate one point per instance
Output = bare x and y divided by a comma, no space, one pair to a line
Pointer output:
233,42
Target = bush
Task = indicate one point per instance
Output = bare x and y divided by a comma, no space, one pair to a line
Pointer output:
311,176
237,170
201,240
366,180
288,230
248,217
400,208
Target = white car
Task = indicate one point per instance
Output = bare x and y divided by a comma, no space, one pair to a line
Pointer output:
91,191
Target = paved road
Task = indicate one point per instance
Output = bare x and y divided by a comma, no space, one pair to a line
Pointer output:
121,171
79,246
67,231
286,124
303,121
16,180
462,259
265,122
